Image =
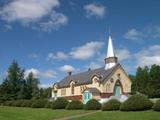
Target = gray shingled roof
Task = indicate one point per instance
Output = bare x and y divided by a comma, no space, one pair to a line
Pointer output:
85,77
93,90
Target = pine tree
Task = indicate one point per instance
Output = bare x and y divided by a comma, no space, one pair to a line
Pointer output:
12,84
32,86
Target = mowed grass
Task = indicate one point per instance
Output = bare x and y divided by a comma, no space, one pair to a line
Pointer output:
15,113
118,115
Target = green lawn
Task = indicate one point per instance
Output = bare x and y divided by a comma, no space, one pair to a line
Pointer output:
145,115
14,113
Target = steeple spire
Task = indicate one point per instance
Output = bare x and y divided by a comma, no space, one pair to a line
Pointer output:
110,59
110,52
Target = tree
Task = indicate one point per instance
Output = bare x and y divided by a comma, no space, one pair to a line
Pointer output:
12,84
147,81
45,92
154,81
32,86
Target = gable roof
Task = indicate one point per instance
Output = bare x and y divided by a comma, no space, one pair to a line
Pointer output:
86,77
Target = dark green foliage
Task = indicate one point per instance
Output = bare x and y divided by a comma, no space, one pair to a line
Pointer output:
32,87
11,87
59,103
39,103
156,106
112,104
136,103
8,103
15,87
92,105
147,81
17,103
74,105
27,103
45,93
48,104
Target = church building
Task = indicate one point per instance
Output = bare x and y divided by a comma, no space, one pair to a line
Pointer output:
101,84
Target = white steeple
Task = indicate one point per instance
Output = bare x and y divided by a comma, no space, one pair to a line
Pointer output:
110,60
110,52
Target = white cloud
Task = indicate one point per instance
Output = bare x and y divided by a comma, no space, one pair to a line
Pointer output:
94,9
122,54
8,27
134,34
57,20
33,70
45,85
67,68
149,32
153,31
27,10
86,51
148,56
93,65
58,56
32,13
37,73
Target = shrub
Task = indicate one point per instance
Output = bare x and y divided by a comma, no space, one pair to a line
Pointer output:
39,103
27,103
17,103
8,103
74,105
48,104
92,105
112,104
59,103
136,103
156,106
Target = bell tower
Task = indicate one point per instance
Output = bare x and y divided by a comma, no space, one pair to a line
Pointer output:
110,60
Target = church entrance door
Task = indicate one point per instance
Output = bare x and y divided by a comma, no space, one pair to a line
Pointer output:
86,96
117,89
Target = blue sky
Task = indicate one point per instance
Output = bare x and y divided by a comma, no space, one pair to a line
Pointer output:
52,37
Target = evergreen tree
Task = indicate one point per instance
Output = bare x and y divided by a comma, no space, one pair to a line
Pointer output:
45,92
12,84
32,86
147,81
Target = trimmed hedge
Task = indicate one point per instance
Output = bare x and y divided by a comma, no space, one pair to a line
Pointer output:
8,103
156,106
48,104
17,103
136,103
27,103
74,105
39,103
92,105
112,104
59,103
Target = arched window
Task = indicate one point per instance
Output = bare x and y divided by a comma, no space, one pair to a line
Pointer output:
72,89
108,86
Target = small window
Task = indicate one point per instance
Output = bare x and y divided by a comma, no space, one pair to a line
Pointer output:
118,75
63,91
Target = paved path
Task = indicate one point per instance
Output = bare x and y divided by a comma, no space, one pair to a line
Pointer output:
77,116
